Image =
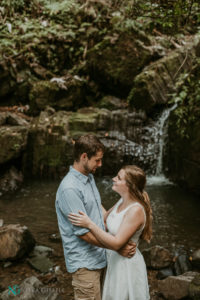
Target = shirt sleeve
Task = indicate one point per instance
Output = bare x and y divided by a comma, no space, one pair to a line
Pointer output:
71,202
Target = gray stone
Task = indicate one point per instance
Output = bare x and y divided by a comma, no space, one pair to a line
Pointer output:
1,222
41,251
164,273
15,242
157,257
182,264
176,287
41,263
30,289
194,288
15,119
55,237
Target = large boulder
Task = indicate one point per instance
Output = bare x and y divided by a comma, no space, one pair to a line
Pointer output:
116,60
61,93
157,257
13,140
31,288
176,287
154,85
11,180
15,242
194,288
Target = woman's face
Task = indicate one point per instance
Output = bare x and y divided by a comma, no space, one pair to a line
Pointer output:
119,183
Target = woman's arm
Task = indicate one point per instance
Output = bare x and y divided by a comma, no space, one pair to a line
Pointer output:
132,220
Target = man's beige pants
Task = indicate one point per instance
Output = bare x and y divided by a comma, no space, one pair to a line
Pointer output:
87,284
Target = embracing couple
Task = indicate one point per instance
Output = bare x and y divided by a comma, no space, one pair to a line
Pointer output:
94,238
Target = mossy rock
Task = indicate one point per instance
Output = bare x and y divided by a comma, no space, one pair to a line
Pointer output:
154,85
194,288
59,93
116,60
13,140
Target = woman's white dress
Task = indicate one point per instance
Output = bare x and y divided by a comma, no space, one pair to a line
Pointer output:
126,278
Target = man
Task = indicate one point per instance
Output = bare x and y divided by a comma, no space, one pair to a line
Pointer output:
84,256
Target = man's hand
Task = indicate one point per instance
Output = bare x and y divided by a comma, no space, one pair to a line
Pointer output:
128,250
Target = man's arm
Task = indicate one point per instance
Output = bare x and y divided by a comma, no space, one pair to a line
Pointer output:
90,238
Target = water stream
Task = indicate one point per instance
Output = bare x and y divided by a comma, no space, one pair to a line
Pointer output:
176,213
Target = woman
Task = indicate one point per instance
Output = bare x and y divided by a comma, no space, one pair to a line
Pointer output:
129,219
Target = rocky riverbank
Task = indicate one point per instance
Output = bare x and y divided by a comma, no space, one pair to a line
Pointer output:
30,270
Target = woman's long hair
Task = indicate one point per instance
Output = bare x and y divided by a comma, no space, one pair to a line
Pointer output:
135,181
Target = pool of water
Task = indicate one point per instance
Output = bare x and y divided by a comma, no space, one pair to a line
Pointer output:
176,213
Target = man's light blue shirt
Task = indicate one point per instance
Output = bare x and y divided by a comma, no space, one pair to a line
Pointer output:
79,192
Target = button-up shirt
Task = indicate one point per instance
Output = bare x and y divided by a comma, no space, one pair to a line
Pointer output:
79,192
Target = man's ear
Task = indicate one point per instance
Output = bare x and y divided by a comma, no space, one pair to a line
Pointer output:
83,156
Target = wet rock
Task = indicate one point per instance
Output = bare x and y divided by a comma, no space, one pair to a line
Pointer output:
114,66
15,242
157,257
30,289
111,103
3,117
14,119
194,288
11,181
13,140
176,287
60,93
129,136
156,82
164,273
55,237
41,263
196,258
7,264
182,264
41,251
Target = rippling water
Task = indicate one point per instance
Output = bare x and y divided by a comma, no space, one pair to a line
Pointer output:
176,212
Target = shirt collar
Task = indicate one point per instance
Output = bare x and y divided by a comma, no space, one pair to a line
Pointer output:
79,175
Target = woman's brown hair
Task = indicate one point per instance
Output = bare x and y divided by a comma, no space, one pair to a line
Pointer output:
136,180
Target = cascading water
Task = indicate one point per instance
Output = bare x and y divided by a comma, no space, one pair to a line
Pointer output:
160,135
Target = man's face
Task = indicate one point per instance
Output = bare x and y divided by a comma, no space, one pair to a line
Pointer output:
90,165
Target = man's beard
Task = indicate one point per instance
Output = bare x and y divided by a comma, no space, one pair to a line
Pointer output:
88,169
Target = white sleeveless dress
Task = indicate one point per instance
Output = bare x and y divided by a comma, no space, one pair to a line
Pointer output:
126,278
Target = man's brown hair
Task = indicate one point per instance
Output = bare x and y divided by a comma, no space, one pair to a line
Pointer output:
88,144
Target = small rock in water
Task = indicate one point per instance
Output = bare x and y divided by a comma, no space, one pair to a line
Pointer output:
164,273
157,257
7,264
41,263
41,251
57,270
182,264
55,237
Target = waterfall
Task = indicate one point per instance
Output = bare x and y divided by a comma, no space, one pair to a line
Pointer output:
160,135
